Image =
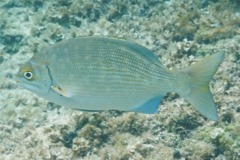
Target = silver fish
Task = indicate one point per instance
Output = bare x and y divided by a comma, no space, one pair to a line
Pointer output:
99,73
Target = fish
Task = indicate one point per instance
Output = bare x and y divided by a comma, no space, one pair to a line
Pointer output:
97,73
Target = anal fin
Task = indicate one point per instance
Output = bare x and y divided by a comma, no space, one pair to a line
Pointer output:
149,107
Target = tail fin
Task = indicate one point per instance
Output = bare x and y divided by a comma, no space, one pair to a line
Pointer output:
200,75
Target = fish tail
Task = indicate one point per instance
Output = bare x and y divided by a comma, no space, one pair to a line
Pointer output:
198,93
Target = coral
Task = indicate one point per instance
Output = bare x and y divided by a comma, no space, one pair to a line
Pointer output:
216,26
12,43
198,150
183,125
187,46
228,141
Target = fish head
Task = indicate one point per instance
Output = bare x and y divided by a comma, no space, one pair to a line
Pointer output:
34,77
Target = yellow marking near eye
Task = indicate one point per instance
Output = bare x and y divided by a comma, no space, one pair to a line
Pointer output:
27,69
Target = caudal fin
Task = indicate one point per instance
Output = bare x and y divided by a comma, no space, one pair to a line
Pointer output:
199,94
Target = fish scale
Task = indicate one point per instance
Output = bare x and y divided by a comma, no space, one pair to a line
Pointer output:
100,73
118,62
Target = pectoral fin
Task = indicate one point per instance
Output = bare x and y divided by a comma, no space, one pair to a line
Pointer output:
61,91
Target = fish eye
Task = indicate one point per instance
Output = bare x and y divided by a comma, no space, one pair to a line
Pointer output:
28,75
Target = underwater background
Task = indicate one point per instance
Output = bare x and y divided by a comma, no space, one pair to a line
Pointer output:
178,32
